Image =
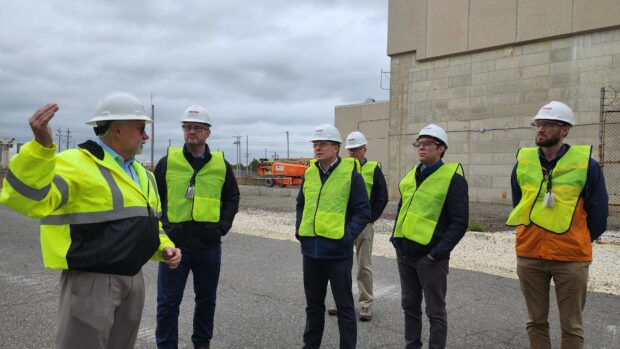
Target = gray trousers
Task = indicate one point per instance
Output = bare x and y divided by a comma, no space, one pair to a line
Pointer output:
424,279
99,311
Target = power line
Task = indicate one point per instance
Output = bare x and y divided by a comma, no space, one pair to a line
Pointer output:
68,137
59,134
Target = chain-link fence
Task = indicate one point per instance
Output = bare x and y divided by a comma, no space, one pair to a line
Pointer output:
609,153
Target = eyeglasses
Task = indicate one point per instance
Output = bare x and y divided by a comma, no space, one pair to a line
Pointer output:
195,128
353,150
424,144
545,125
319,144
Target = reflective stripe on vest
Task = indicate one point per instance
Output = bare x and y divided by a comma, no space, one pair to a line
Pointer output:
421,206
120,197
568,178
325,204
208,184
368,172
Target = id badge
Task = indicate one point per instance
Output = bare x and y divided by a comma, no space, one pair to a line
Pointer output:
189,193
549,200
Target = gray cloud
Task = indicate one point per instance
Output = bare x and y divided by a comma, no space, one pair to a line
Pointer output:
260,67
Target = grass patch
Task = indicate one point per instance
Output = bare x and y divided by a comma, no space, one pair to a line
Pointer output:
475,226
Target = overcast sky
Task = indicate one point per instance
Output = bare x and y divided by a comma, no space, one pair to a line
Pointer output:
260,68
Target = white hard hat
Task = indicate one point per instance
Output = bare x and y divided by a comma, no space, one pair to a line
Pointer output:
434,131
556,111
119,106
355,139
196,113
326,132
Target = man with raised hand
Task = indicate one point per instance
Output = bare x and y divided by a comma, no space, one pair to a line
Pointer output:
99,213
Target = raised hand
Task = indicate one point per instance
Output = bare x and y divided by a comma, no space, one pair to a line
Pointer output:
39,123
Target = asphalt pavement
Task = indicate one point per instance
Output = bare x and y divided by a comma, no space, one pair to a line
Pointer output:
261,301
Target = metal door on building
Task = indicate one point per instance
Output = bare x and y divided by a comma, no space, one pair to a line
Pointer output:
609,148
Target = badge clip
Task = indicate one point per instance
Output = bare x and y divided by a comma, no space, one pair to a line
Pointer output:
549,200
189,193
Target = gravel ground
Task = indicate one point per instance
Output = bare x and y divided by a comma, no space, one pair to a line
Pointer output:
490,252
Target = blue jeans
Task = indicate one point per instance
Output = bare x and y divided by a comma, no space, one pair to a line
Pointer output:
205,266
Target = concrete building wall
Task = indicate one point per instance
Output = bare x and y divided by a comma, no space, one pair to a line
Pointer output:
372,119
434,28
485,99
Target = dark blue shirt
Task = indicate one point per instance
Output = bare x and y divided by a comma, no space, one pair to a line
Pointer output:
452,222
594,192
356,218
378,194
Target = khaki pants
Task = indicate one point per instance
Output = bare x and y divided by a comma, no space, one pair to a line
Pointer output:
363,248
571,284
99,311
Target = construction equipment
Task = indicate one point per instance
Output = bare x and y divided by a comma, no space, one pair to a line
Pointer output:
282,171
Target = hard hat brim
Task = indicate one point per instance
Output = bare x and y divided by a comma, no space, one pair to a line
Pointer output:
317,139
96,119
201,121
552,118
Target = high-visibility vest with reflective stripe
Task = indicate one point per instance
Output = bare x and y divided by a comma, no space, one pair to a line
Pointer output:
368,172
86,191
421,206
568,178
208,184
325,204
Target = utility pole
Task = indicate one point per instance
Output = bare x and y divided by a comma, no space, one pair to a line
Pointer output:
288,155
5,144
152,133
247,163
237,142
59,134
68,137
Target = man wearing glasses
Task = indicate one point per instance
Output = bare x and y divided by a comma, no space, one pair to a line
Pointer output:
98,209
200,198
433,214
560,207
332,210
378,195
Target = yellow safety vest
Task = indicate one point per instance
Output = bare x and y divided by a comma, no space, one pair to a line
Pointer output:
205,204
568,178
325,204
94,217
368,173
421,206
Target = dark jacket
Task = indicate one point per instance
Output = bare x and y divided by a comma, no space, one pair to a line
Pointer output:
197,235
594,192
452,223
378,194
356,218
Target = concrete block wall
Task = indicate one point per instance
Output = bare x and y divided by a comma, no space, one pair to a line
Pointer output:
486,100
434,28
372,119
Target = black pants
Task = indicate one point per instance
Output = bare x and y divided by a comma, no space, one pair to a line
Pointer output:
424,278
316,274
